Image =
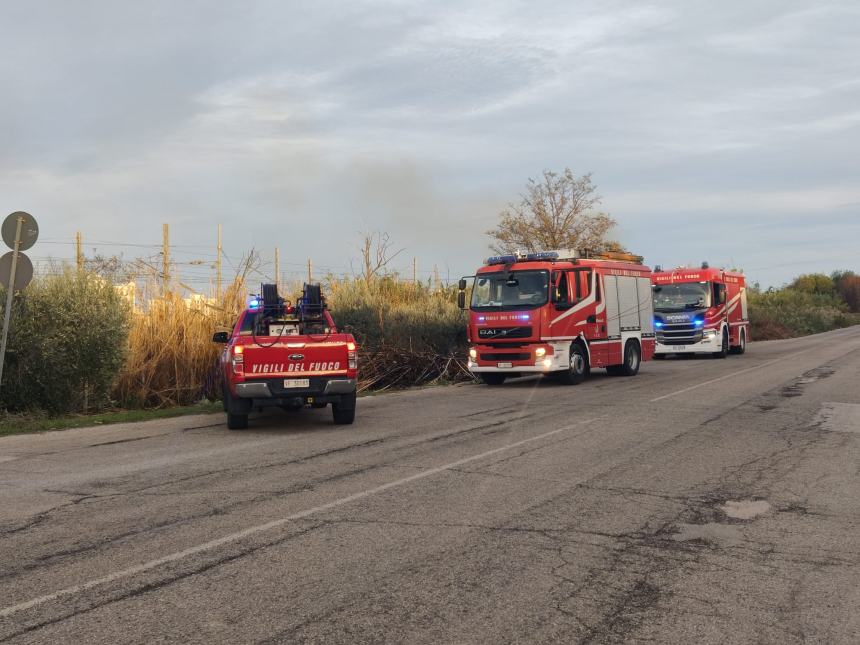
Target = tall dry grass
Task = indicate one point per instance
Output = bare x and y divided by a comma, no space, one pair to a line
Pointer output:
408,334
171,359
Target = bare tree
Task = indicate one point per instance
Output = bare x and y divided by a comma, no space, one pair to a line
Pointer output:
112,268
558,211
376,254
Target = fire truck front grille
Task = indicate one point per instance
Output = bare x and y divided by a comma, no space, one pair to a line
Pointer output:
523,356
491,333
679,334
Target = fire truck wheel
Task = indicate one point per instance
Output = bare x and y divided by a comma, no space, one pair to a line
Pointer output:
492,378
578,368
343,413
632,360
742,348
724,348
237,421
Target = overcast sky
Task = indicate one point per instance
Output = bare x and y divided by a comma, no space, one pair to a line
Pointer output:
721,131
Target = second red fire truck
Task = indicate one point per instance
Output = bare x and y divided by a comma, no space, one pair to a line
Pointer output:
700,311
559,313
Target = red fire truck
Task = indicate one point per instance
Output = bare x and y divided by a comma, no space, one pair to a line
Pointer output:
560,313
287,356
700,311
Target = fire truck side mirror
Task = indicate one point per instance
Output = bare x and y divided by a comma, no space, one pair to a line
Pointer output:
461,299
462,284
221,337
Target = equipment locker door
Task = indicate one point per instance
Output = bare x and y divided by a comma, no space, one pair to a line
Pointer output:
610,293
646,306
628,303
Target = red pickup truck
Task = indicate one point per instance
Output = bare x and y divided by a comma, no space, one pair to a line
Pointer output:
280,355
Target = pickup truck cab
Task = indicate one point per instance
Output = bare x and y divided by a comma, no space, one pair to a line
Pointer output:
287,357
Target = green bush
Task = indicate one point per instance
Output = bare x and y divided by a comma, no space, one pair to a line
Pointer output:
67,343
789,312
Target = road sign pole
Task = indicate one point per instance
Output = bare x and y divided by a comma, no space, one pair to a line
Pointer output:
10,293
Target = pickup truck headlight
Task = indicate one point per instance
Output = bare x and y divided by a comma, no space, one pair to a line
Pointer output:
473,353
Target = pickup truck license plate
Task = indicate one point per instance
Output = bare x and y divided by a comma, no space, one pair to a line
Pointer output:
505,365
292,383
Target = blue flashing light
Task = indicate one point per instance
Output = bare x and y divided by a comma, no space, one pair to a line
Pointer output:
481,318
524,317
254,304
699,322
502,259
658,324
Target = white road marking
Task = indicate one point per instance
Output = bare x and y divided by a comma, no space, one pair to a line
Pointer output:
233,537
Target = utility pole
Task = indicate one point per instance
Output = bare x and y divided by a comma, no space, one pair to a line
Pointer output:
278,269
414,270
436,276
218,267
10,294
165,252
79,254
310,271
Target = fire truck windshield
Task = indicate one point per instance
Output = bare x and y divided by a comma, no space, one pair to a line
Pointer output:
507,290
676,297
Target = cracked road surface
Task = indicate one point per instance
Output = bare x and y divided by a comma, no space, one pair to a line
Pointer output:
703,501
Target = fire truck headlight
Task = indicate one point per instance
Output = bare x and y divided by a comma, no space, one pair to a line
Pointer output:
540,352
709,333
473,353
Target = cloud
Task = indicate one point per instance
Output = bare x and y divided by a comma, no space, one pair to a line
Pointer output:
299,124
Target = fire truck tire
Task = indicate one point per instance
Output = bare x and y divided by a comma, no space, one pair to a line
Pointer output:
237,421
343,413
632,361
578,366
724,349
742,347
492,378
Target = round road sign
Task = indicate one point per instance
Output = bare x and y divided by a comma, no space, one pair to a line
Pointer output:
29,230
23,272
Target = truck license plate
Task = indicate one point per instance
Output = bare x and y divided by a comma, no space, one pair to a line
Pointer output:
292,383
680,348
505,365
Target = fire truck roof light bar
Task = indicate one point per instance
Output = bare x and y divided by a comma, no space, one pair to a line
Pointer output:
502,259
562,255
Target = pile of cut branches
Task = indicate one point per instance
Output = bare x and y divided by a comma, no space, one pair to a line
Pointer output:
385,367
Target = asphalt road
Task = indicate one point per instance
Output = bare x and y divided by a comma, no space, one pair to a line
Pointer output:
702,501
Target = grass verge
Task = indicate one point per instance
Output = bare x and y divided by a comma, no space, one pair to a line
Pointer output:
18,424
